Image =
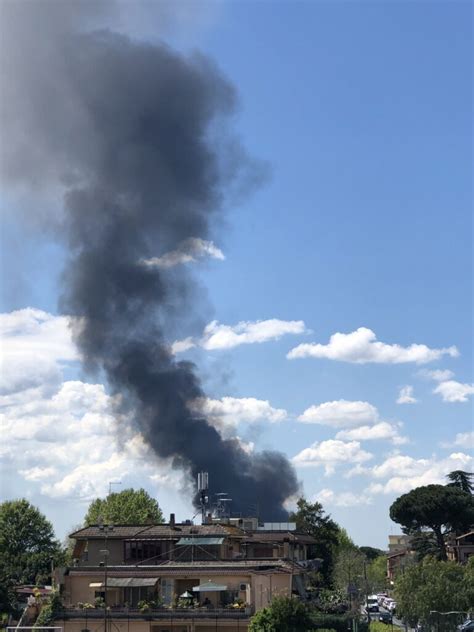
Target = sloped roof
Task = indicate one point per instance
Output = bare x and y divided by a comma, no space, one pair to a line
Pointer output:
145,532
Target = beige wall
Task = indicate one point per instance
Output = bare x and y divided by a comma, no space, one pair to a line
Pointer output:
117,625
266,587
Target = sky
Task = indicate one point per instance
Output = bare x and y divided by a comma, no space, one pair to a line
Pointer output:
336,316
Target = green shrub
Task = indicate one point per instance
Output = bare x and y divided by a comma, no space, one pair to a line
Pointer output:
49,611
337,622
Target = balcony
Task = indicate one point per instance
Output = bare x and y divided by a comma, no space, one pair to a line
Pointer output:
156,614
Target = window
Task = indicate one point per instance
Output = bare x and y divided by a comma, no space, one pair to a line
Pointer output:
137,551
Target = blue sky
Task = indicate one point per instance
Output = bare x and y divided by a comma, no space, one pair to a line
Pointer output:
362,113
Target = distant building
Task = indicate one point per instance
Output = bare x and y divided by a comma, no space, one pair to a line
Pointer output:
399,542
228,571
461,548
399,555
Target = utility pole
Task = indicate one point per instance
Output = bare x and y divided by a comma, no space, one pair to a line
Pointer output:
113,483
366,591
105,552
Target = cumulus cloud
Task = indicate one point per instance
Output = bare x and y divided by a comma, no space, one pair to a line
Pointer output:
340,414
35,345
69,443
462,440
405,472
330,454
188,251
438,375
380,431
406,395
227,413
328,497
217,336
358,420
361,347
179,346
452,391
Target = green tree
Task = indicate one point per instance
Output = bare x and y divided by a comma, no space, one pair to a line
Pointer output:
27,544
282,615
461,479
311,519
370,552
376,574
130,506
440,508
349,572
434,585
424,543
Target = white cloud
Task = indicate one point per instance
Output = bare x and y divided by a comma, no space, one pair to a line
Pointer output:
227,413
380,431
188,251
217,336
358,420
462,439
438,375
179,346
340,414
404,473
331,453
70,444
35,345
357,470
361,347
243,409
406,395
328,497
452,391
38,473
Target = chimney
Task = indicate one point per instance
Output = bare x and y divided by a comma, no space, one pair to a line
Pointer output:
172,520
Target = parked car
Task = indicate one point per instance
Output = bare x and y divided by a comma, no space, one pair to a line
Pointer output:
467,626
373,607
385,617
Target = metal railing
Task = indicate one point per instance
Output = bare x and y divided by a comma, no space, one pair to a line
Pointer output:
156,613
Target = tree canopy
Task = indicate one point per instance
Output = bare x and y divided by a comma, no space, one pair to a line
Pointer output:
311,519
130,506
434,585
461,479
370,552
27,544
440,508
283,615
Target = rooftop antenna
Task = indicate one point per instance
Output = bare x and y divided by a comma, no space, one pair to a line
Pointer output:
222,509
203,489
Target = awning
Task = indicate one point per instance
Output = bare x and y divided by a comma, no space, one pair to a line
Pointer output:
209,587
125,582
199,541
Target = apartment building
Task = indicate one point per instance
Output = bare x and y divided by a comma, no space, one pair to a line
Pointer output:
181,577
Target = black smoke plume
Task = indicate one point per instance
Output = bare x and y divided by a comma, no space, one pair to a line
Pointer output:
133,134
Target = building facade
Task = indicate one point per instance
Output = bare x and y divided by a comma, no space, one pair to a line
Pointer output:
180,577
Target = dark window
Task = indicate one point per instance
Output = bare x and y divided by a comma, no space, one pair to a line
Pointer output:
140,551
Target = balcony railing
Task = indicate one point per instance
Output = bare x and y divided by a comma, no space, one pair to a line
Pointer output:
156,613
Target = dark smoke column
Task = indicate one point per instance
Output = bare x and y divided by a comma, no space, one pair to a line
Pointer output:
128,127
